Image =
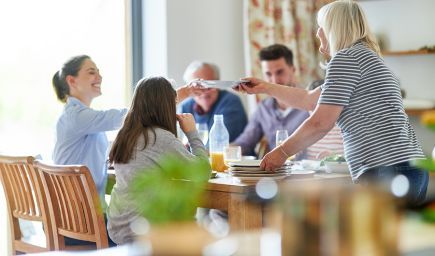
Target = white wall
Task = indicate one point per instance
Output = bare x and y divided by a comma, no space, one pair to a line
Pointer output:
408,25
180,31
209,30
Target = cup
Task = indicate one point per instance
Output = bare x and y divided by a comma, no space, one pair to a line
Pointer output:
203,132
280,137
232,154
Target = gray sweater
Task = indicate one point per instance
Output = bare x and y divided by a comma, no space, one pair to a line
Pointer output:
121,212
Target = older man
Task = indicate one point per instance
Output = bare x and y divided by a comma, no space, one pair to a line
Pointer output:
206,103
272,115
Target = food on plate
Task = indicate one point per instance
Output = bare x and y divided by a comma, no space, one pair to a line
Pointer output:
334,158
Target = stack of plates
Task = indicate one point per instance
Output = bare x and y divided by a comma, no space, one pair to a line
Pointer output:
249,170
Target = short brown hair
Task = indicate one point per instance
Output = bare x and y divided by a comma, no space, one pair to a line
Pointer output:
276,51
153,106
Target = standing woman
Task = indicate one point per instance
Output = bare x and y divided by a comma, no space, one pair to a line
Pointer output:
80,130
362,95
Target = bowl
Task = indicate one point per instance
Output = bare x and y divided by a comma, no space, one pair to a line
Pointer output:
310,164
336,167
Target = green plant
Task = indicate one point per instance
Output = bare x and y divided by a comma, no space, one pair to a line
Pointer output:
171,190
333,158
428,120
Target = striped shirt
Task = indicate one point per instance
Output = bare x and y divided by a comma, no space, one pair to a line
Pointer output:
331,143
375,128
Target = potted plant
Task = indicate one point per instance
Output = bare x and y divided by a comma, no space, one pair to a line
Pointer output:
167,197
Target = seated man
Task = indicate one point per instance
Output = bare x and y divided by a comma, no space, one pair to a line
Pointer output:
271,115
206,103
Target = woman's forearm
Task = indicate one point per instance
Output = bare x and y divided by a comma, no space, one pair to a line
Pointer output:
294,97
306,135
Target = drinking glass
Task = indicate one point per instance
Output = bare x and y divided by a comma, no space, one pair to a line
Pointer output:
281,136
181,135
203,132
232,154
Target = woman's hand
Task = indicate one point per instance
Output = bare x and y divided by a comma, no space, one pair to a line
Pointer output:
187,122
253,86
183,92
273,160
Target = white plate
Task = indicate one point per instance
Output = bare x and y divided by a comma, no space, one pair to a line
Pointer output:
302,172
255,179
245,169
253,163
336,167
245,163
310,164
220,84
258,174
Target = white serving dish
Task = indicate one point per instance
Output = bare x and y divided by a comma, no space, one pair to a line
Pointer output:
220,84
336,167
310,164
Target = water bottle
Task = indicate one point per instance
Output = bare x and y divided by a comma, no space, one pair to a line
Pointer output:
219,138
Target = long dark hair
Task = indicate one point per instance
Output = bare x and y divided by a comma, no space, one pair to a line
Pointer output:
71,67
153,106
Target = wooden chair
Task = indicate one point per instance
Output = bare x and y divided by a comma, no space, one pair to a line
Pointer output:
262,147
25,200
73,204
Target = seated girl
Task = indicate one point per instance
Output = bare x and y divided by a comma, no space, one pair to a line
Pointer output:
149,133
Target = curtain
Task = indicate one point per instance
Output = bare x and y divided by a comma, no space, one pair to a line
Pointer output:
289,22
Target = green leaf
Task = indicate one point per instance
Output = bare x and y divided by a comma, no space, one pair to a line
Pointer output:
428,214
427,164
171,191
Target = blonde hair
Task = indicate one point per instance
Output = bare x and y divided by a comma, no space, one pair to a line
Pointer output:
344,23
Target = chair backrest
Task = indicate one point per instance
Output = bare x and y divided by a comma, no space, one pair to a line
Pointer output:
73,203
263,147
25,200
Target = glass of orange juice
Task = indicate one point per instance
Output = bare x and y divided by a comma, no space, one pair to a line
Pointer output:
217,161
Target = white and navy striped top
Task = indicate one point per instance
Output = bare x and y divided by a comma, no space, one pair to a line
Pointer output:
375,128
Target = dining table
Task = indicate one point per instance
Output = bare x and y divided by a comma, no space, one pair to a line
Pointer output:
239,199
246,211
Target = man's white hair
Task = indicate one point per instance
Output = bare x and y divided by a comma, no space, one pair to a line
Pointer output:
197,65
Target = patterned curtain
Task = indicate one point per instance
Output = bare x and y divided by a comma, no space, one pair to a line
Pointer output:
289,22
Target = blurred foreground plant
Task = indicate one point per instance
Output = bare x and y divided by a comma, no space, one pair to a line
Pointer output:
171,190
428,119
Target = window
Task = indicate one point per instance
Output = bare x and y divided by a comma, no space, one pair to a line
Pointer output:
37,38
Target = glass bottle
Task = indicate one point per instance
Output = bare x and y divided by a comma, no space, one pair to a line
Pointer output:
219,138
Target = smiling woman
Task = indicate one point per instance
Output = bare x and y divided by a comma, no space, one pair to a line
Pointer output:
34,45
80,130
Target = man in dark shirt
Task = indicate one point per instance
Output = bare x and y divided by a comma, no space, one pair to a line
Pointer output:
205,103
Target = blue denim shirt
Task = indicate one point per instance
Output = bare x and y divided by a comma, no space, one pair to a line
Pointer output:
81,138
